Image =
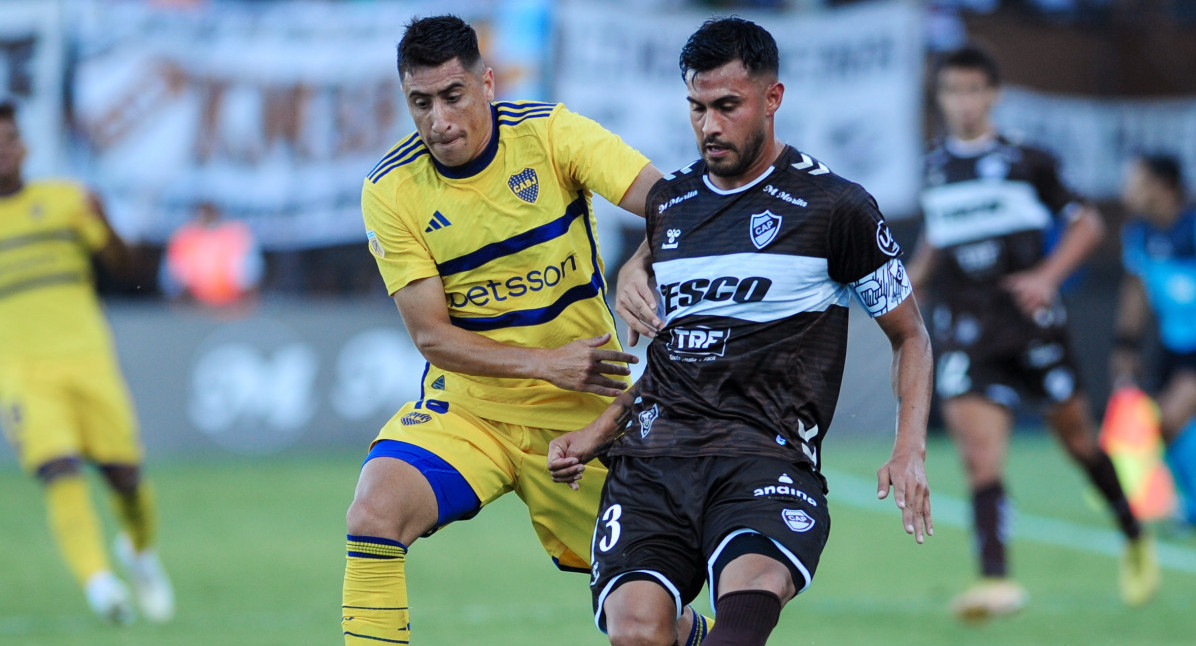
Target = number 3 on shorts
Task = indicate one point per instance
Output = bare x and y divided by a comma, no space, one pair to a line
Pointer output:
610,518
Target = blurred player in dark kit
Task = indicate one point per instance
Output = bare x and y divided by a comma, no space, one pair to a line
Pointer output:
999,325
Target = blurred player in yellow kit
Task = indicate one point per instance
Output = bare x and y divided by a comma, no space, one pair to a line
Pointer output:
63,401
482,229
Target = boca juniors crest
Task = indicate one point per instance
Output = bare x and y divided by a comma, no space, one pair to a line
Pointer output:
525,185
764,228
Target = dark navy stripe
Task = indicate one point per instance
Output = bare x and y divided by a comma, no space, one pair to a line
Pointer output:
397,151
422,379
366,555
523,113
536,316
581,197
515,244
49,280
507,122
378,639
568,568
521,107
374,539
402,162
378,607
67,235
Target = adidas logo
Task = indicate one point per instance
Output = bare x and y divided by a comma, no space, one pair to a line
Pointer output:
438,221
439,383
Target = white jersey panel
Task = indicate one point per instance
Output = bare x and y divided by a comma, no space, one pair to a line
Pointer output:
757,287
981,208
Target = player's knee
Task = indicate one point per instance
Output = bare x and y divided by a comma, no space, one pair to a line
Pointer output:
370,517
123,478
58,468
635,630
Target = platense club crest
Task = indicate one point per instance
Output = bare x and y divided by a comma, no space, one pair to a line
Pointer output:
525,185
764,228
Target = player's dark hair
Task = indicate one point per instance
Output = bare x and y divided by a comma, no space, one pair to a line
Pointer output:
8,111
1165,168
722,40
971,57
432,42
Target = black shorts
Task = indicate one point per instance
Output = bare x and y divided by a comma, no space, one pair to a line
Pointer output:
670,519
1043,372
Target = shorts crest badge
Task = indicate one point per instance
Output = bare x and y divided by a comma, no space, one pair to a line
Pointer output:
764,228
797,520
525,185
646,418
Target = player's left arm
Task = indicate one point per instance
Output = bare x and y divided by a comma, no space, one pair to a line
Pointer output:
905,470
569,453
114,255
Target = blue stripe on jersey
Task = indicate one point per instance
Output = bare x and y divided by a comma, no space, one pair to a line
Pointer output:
517,243
511,106
427,367
535,316
505,112
399,150
377,639
507,122
402,162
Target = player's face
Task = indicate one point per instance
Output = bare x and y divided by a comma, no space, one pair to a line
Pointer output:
966,98
451,109
732,116
1139,190
12,151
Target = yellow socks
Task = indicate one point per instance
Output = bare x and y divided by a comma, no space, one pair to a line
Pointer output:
75,526
374,607
138,515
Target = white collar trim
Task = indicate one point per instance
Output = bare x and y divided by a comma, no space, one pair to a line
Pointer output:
710,185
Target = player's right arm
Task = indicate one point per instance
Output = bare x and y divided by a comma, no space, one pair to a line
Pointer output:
921,267
581,365
113,254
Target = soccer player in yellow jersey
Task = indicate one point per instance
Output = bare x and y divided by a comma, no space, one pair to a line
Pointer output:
481,226
63,401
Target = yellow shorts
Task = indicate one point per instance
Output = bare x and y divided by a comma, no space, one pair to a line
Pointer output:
495,458
55,408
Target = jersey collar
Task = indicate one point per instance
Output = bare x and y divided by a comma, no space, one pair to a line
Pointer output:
479,163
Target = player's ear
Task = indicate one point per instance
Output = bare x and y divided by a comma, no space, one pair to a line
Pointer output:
488,83
773,96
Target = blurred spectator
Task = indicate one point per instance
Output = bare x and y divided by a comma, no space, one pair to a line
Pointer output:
214,261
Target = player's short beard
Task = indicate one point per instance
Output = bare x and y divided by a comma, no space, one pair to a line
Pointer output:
731,169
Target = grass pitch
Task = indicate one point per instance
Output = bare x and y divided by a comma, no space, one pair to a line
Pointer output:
256,550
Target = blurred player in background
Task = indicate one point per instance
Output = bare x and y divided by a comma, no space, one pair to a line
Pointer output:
214,261
999,325
1159,253
482,228
714,455
63,400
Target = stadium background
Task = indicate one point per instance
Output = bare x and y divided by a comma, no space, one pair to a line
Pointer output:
274,111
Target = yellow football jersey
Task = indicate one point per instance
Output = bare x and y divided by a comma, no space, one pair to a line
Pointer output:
512,236
48,305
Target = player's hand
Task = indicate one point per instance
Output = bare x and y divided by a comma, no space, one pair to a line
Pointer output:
583,365
905,472
635,301
1031,291
568,454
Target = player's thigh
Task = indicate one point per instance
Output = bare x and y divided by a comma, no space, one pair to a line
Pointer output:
107,421
562,517
37,416
770,508
980,429
647,530
462,457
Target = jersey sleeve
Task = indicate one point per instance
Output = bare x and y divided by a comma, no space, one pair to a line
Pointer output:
1057,197
591,155
88,221
859,241
401,255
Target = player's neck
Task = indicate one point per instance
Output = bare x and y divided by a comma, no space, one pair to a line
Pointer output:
969,144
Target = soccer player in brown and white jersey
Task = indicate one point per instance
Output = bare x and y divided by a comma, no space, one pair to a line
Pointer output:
715,453
999,326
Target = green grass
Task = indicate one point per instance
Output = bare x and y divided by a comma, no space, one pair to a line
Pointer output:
256,551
